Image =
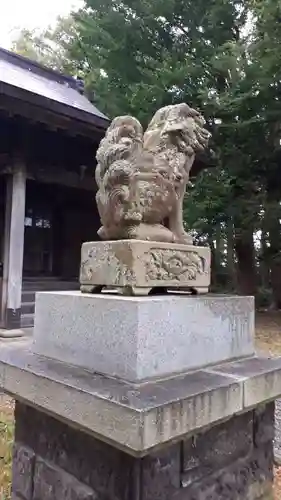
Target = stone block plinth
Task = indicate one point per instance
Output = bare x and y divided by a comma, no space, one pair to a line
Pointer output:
136,267
92,437
231,461
206,434
137,418
139,338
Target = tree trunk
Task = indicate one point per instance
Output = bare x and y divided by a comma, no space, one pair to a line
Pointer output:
275,256
264,267
273,252
246,265
231,268
213,262
275,267
218,253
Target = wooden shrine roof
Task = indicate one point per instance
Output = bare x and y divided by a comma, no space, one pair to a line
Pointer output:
28,82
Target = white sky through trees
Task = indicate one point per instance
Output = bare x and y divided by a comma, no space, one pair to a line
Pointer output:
31,14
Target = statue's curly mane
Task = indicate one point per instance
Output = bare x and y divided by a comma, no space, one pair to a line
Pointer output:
183,122
122,141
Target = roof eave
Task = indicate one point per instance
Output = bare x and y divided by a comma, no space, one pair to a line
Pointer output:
50,106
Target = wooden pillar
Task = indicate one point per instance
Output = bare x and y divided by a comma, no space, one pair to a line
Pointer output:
57,236
13,249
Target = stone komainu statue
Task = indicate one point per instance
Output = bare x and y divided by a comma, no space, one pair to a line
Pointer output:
142,177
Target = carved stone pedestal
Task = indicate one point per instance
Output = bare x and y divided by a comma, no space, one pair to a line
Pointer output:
137,267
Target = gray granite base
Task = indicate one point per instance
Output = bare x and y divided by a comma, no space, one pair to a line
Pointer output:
138,338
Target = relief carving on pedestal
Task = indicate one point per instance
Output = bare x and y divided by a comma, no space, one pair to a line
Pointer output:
174,265
93,264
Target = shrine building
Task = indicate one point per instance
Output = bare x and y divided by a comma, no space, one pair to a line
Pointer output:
49,136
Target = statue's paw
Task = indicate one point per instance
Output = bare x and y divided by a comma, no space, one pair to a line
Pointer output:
102,233
186,239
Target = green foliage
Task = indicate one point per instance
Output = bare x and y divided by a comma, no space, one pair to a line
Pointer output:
154,53
49,47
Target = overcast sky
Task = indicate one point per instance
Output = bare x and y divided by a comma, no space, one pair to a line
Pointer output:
17,14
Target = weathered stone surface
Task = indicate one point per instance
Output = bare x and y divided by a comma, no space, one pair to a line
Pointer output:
277,442
99,466
211,451
23,469
262,378
136,267
161,474
136,418
264,424
233,460
71,465
142,337
142,178
245,479
52,483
